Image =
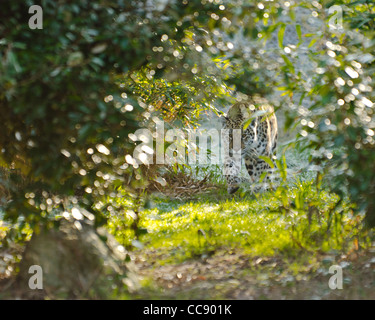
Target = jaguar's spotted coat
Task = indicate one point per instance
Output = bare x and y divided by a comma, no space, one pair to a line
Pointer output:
256,126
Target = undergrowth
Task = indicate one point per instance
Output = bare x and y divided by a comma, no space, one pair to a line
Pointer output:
292,220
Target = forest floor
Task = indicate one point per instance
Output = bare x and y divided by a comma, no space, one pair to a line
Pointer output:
214,246
232,275
205,244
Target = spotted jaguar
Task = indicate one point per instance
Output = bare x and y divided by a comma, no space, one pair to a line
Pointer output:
251,132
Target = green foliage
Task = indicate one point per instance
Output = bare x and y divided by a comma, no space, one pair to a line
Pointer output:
335,104
64,89
177,100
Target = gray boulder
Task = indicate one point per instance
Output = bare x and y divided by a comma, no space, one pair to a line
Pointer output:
76,261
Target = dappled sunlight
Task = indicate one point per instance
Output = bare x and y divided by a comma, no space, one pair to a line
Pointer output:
233,135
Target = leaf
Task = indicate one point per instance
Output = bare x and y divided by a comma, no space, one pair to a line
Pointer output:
268,160
256,114
19,45
14,62
312,42
75,59
280,35
99,48
288,63
97,61
284,162
263,175
299,33
247,123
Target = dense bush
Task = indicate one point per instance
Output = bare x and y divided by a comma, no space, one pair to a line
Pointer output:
65,102
335,108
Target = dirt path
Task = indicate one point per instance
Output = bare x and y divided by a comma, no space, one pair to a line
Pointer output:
230,275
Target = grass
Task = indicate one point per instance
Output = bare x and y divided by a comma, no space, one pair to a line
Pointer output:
259,226
195,228
292,221
275,245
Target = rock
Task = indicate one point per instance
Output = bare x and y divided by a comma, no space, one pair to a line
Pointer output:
76,261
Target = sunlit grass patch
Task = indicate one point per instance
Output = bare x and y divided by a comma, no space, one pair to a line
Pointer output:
287,222
198,228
